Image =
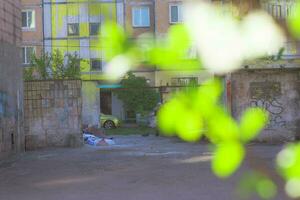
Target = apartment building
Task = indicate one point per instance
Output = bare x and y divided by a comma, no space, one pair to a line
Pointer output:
280,10
11,84
32,30
73,27
156,17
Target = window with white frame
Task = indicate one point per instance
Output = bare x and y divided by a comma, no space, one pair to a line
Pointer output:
175,13
73,29
27,53
141,16
28,19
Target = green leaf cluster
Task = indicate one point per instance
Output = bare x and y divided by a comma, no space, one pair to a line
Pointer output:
257,183
288,163
197,112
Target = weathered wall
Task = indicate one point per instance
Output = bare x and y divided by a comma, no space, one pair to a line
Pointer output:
117,107
277,91
52,113
90,103
11,84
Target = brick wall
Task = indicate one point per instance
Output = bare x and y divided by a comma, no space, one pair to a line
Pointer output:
11,84
136,31
10,21
52,113
34,37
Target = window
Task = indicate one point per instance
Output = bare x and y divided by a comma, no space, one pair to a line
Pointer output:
140,16
175,11
94,28
96,64
184,81
276,11
28,19
73,29
27,52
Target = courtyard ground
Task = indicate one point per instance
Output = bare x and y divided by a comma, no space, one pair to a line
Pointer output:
137,168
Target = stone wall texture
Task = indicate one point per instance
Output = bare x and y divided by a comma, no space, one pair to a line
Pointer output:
275,90
11,84
52,113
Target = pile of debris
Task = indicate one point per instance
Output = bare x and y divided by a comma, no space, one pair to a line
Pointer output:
96,137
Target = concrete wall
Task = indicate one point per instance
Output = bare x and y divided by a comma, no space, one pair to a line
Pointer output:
52,113
90,102
277,91
117,107
11,84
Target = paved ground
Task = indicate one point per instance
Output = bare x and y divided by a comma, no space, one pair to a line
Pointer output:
138,168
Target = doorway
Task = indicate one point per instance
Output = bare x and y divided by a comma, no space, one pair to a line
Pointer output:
106,102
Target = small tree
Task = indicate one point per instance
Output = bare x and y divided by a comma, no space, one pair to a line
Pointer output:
41,65
137,95
55,65
65,66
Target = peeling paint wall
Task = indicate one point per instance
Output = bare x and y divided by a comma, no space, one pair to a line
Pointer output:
275,90
52,113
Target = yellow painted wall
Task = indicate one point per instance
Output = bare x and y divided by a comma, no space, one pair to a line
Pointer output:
61,12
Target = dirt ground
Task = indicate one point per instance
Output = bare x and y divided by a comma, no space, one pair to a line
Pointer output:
137,168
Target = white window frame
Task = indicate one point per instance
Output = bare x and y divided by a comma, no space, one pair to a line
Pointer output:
140,25
73,35
27,62
179,13
27,27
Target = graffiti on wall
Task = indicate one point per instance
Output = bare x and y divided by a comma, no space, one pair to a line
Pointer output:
3,104
267,96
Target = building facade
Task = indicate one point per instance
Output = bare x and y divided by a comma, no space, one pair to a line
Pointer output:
11,83
155,17
32,30
73,27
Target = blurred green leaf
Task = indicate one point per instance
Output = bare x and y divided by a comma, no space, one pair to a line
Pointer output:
293,188
178,38
169,116
265,188
207,98
228,157
114,40
293,21
189,128
255,182
288,161
221,127
252,122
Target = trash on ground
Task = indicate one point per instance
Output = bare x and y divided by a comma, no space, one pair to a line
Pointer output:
97,141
